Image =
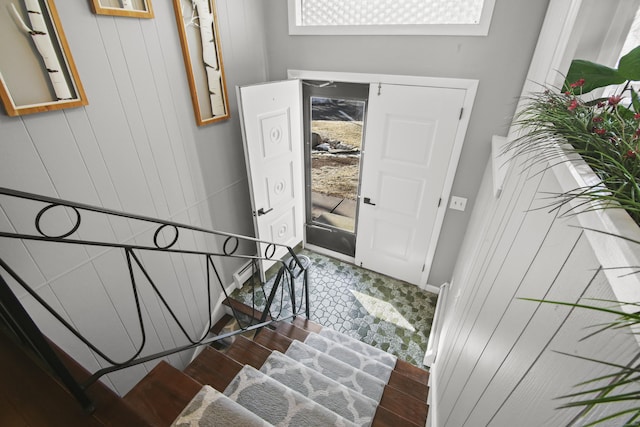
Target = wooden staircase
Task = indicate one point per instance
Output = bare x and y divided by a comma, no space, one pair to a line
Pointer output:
31,397
165,391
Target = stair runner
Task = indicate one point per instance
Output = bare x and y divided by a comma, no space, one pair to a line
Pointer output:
330,379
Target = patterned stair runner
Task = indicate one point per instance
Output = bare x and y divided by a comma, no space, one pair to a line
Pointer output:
210,402
329,379
345,374
342,400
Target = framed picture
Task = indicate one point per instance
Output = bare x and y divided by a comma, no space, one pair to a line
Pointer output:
37,72
198,29
131,8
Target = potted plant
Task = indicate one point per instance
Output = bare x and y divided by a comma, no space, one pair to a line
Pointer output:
604,132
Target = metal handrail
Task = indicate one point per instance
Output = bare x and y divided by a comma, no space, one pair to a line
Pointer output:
13,313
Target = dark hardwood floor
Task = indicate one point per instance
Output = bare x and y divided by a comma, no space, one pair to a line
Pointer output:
31,397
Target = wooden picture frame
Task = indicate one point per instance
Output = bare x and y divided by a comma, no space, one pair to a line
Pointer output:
198,29
37,72
130,8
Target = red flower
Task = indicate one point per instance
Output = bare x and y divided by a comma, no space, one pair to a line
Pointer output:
568,92
597,119
573,105
600,104
578,83
614,100
636,116
599,131
630,154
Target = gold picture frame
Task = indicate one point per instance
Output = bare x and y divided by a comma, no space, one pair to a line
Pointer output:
130,8
198,29
37,72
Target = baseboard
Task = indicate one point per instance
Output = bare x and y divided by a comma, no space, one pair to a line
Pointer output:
433,289
242,275
432,398
436,328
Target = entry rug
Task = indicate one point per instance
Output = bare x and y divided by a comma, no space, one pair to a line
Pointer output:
278,404
210,408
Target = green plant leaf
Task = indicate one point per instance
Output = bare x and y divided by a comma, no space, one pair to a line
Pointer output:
629,66
635,101
595,75
625,112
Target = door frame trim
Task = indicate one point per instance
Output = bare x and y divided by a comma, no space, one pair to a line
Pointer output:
471,88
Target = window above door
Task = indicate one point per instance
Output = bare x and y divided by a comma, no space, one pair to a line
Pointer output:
390,17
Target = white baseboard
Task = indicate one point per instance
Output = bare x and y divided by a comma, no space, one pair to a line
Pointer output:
433,289
436,328
432,399
242,275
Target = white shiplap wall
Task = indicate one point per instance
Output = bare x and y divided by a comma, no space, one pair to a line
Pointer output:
135,148
498,363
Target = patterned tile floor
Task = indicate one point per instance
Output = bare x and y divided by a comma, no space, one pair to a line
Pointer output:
386,313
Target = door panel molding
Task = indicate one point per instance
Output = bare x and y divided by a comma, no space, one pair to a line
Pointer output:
395,234
271,122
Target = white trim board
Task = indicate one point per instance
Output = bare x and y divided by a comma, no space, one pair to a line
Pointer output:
471,88
479,29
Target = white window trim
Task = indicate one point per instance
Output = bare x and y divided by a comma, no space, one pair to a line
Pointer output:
479,29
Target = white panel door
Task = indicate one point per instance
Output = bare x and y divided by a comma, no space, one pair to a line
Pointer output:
272,132
410,136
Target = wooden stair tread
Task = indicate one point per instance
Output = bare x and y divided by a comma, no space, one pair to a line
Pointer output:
400,402
417,374
247,352
162,394
244,309
290,330
409,386
306,324
220,324
386,418
273,340
213,368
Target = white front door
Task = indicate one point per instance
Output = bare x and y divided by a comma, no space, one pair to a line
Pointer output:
409,140
272,132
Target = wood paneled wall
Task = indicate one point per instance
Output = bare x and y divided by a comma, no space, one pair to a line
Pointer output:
134,148
499,362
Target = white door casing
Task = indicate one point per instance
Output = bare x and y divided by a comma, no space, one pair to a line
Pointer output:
271,120
409,143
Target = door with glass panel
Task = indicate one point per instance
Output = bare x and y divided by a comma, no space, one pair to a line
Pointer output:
334,120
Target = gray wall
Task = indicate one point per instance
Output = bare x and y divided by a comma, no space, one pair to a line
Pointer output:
499,61
135,148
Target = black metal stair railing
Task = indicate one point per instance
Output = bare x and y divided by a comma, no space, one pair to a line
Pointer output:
291,273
